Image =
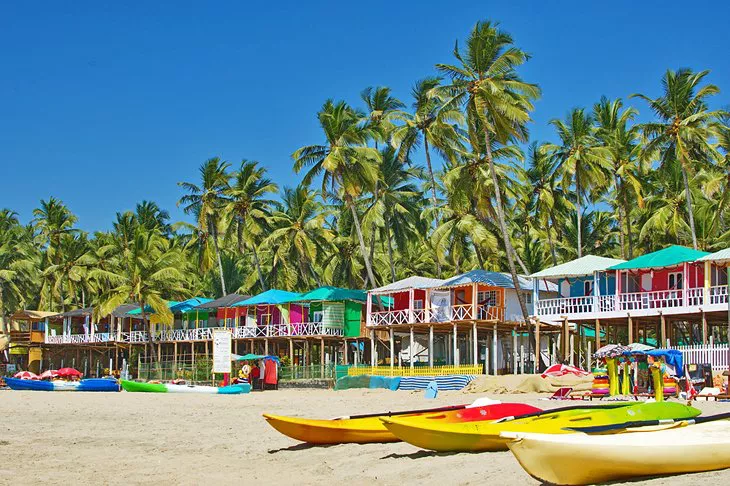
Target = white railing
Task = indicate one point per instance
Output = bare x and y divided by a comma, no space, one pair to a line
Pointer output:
695,297
716,355
566,306
421,315
658,299
606,303
464,312
388,318
718,295
135,337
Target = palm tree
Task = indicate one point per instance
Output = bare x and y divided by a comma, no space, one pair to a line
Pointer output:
620,140
150,216
580,159
70,274
206,202
684,130
432,122
498,105
148,272
381,107
250,208
16,264
345,161
299,236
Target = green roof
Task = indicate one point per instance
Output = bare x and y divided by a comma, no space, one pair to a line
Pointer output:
668,257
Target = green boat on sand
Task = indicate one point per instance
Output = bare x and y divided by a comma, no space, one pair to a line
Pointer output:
138,387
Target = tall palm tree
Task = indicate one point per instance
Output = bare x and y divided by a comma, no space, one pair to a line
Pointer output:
16,264
149,272
151,216
70,274
433,122
684,130
347,164
299,236
206,202
621,141
250,206
380,106
498,104
581,160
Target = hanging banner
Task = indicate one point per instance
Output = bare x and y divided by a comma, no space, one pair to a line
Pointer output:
222,351
441,305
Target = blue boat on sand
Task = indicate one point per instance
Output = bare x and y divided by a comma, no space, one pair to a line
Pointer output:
88,385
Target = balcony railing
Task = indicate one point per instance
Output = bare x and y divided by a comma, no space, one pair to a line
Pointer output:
461,312
633,301
203,334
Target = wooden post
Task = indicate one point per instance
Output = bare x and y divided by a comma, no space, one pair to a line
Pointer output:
174,360
566,340
475,343
266,346
411,297
514,349
321,357
474,297
589,355
192,352
291,351
704,328
663,330
494,352
630,338
537,346
430,346
410,350
373,353
598,334
391,341
456,336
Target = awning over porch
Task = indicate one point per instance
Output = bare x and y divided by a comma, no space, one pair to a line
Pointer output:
668,257
580,267
721,257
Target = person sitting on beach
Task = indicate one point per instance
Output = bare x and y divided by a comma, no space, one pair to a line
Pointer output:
255,374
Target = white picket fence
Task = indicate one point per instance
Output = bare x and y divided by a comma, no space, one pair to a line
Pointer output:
716,355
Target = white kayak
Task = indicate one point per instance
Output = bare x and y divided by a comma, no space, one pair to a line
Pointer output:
683,447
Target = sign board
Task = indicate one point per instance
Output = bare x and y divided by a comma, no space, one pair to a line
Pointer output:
10,368
221,351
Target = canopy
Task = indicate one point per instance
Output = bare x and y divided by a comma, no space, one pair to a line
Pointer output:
272,297
495,279
668,257
175,306
672,357
253,357
721,257
580,267
225,301
408,283
331,294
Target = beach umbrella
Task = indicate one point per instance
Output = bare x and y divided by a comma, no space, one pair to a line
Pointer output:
26,375
639,347
49,374
611,351
69,372
562,370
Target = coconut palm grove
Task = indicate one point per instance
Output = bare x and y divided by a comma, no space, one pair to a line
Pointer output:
489,196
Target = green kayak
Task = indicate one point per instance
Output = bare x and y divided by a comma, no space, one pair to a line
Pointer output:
133,386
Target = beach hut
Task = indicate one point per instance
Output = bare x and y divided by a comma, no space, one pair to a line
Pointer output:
722,259
225,314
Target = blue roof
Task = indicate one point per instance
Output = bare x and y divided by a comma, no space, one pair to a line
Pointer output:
272,296
494,279
176,306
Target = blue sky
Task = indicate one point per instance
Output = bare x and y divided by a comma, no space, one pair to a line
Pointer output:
104,104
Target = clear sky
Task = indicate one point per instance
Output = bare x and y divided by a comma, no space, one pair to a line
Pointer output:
106,103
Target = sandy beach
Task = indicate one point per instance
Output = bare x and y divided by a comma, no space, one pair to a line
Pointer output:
126,438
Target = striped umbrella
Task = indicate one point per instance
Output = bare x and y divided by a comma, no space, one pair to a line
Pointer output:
49,374
26,375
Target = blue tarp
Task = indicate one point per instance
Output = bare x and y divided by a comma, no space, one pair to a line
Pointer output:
385,382
444,383
670,356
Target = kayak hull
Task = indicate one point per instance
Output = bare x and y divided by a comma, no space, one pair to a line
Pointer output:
485,436
371,429
676,450
133,386
88,385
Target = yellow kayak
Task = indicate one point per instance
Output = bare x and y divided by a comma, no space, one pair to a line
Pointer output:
578,458
485,436
369,428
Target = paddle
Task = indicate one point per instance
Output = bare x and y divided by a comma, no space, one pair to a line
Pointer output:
645,423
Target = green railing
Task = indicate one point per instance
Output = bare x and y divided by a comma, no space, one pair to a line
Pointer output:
168,370
312,372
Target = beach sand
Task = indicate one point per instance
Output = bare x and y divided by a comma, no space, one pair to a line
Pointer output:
137,438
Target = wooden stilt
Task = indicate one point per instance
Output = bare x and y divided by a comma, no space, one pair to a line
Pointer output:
514,350
391,343
663,331
430,346
537,347
174,360
630,337
410,350
598,334
704,328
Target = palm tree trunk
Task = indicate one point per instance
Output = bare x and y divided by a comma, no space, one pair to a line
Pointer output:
551,243
487,223
390,250
258,267
627,214
375,227
577,210
621,219
430,170
218,257
363,249
690,213
2,312
503,228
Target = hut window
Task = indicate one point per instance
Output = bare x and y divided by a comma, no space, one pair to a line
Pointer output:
675,280
487,297
588,287
418,304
